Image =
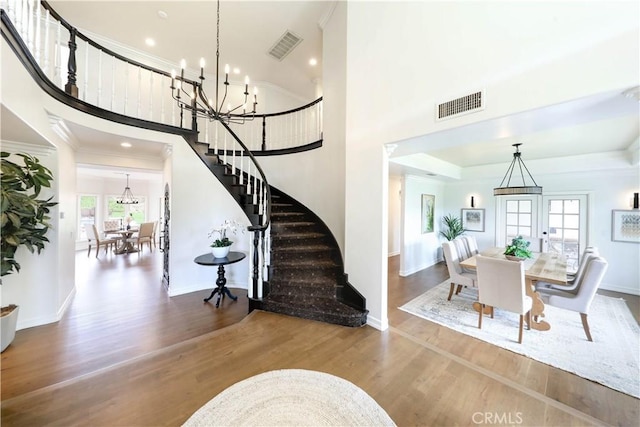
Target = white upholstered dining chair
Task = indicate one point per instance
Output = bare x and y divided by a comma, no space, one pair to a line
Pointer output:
580,301
95,239
501,285
145,235
572,281
456,274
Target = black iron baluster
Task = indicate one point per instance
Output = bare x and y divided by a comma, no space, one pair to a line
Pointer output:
256,259
71,87
264,133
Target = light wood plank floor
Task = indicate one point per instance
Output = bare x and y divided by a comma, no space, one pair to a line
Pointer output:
125,354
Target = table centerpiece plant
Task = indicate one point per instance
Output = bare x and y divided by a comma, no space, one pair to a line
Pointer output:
518,249
222,244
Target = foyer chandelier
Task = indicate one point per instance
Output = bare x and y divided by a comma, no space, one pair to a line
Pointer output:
199,104
127,196
524,189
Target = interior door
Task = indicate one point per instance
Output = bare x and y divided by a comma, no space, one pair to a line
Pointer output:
564,225
518,216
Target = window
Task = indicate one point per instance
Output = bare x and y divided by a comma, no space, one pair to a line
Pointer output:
565,226
518,219
87,205
119,211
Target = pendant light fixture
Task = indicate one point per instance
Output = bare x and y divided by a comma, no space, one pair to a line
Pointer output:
524,189
127,196
190,95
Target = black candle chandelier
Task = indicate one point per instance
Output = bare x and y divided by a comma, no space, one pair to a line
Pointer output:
524,189
199,104
127,196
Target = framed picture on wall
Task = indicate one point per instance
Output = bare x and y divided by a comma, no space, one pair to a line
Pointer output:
625,226
472,219
428,212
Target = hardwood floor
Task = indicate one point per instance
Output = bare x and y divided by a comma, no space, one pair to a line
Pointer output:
125,354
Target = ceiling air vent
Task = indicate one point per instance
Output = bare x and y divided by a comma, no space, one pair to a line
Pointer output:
284,45
463,105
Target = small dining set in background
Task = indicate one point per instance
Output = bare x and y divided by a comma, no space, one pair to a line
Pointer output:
122,240
523,286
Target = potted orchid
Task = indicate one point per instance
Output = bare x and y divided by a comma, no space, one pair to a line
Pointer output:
222,244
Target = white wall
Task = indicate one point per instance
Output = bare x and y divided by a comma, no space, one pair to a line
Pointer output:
200,203
316,178
395,214
524,54
420,250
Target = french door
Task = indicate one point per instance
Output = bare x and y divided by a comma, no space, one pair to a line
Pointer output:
564,226
552,223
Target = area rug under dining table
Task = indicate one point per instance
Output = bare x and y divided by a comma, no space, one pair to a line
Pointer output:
613,359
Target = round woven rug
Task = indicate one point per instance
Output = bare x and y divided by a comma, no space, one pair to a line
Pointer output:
291,397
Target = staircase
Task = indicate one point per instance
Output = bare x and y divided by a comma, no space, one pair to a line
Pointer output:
297,267
306,273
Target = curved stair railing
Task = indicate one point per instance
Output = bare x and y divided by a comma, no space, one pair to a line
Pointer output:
94,85
125,89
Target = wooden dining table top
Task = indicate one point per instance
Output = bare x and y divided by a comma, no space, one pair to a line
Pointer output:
544,266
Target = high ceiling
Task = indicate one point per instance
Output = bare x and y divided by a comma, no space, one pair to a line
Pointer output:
601,123
187,30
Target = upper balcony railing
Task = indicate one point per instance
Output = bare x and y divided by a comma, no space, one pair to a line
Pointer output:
102,78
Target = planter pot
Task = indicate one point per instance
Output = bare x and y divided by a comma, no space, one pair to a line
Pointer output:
221,252
8,327
513,258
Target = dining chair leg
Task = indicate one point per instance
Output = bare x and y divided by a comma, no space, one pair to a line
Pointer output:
520,329
480,316
491,311
89,251
458,289
453,286
529,319
585,325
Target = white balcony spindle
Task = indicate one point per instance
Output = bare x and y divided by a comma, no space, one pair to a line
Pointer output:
150,96
99,96
126,87
250,282
47,49
113,82
29,25
38,40
58,55
139,103
86,72
162,116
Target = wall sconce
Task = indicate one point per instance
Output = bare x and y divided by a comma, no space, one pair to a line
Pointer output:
634,201
473,202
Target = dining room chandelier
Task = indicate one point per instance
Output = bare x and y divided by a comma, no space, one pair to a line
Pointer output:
127,196
195,100
524,189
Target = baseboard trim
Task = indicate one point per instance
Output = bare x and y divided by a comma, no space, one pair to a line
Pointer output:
377,323
621,289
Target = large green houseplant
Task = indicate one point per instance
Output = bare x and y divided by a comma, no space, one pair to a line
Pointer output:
453,226
25,220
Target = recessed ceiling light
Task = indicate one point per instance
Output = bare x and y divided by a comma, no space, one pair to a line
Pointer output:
125,144
162,14
236,70
313,62
149,41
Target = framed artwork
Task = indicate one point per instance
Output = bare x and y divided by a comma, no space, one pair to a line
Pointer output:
428,212
625,226
472,219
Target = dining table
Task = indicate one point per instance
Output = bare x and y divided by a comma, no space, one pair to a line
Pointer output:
549,267
126,244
